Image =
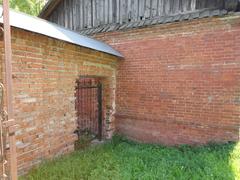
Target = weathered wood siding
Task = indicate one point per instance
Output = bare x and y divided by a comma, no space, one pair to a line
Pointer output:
80,14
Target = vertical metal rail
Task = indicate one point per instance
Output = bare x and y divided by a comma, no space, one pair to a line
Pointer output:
8,79
89,107
99,111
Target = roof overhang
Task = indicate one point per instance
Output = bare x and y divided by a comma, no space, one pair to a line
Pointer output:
40,26
48,8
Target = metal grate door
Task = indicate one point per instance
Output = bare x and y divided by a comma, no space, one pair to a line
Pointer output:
89,107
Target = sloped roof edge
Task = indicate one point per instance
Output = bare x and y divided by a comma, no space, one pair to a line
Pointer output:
40,26
48,8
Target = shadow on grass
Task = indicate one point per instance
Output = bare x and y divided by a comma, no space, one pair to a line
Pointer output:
124,159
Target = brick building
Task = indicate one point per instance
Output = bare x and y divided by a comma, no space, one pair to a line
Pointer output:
47,62
177,84
179,81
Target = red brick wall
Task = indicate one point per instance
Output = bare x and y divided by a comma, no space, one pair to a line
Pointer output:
179,82
44,76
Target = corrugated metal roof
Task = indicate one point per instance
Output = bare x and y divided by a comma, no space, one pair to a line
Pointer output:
40,26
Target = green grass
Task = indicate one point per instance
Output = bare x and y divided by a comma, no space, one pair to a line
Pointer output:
122,159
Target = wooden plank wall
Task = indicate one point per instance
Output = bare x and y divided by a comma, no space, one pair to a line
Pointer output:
80,14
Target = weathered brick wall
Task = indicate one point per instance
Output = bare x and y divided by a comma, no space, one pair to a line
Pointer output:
179,82
44,76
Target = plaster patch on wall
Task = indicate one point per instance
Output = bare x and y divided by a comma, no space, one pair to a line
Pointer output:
86,63
25,98
29,100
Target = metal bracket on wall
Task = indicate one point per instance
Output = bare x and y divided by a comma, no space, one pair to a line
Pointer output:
3,134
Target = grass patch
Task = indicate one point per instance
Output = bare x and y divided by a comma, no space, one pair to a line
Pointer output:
123,159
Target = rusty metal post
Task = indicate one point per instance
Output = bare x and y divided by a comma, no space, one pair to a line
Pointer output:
8,78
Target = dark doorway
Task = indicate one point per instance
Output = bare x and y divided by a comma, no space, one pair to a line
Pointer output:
89,107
